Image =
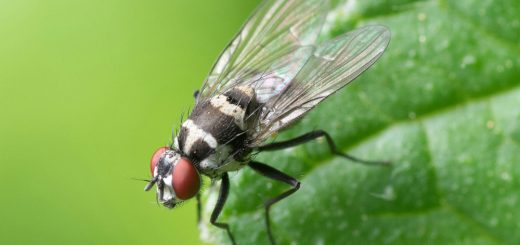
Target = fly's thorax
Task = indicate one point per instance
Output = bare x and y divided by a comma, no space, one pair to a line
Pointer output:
223,159
221,123
215,135
240,103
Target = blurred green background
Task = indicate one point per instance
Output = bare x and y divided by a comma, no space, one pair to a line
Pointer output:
88,90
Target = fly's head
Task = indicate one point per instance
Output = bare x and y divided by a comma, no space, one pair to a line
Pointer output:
176,177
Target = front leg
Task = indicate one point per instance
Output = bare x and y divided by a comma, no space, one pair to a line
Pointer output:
199,209
302,139
275,174
222,197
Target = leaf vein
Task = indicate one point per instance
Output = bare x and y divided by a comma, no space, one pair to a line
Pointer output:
468,219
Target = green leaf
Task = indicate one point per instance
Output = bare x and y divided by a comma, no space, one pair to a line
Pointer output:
443,104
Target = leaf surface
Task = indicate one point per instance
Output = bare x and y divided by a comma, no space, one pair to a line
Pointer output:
443,104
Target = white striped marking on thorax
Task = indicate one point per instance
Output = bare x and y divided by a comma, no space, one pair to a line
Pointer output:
220,102
247,90
195,133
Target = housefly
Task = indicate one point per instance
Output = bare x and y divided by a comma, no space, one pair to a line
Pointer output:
271,74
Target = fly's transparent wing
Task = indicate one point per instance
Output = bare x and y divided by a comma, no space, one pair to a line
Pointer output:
270,49
333,65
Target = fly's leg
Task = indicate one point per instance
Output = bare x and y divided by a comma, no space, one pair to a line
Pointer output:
312,136
199,209
275,174
222,197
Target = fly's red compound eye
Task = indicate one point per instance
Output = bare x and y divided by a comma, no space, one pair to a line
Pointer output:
155,158
185,179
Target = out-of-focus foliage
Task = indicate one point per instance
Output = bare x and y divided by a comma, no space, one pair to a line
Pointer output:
88,90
